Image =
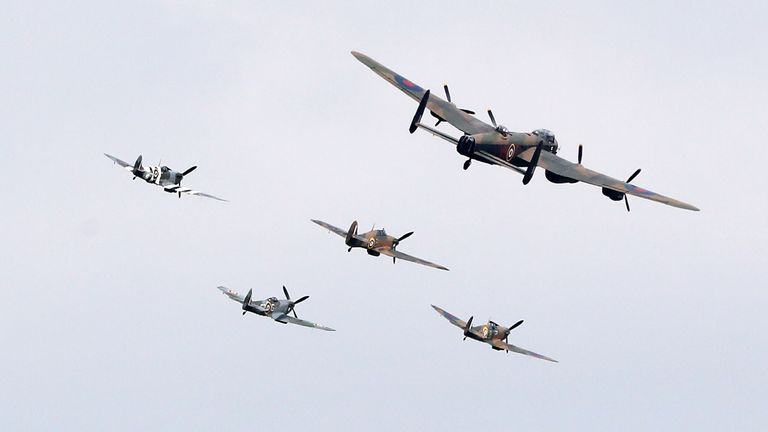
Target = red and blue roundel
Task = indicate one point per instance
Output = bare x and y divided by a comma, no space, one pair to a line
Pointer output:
407,84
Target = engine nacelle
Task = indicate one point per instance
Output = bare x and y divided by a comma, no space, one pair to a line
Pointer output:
466,145
613,195
557,178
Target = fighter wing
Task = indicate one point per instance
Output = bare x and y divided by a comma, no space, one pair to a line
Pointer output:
188,191
453,319
122,164
330,227
446,110
397,254
560,166
498,343
301,322
234,295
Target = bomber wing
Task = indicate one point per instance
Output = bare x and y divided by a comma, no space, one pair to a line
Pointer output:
397,254
498,343
480,154
286,319
123,164
446,110
451,318
560,166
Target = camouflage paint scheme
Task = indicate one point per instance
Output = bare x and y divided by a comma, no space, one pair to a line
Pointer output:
376,242
491,333
162,176
498,146
272,307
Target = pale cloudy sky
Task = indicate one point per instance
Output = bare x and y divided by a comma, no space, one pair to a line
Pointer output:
110,315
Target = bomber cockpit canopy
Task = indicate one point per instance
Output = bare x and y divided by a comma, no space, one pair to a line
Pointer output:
164,169
550,143
502,130
546,134
381,232
272,299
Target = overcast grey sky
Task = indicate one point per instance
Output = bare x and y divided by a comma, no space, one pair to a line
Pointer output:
111,319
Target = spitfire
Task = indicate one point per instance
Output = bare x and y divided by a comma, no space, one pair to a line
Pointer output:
376,242
278,310
494,144
161,176
495,335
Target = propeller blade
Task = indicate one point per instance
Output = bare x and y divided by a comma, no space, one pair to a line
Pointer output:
532,165
419,113
189,170
468,327
632,177
294,313
580,153
285,291
493,119
247,300
447,93
404,236
514,326
300,300
137,168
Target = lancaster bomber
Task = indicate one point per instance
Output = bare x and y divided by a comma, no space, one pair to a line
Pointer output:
521,152
376,242
162,176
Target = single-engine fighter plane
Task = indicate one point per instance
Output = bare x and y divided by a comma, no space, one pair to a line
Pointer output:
161,176
491,333
376,242
521,152
278,310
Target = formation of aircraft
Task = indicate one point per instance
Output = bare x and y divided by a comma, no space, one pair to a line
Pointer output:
376,242
161,176
491,333
278,310
494,144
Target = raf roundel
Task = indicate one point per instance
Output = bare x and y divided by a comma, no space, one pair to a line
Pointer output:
407,84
